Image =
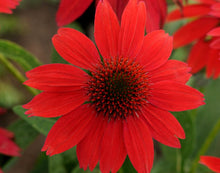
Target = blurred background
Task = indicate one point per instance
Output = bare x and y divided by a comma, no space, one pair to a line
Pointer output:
32,26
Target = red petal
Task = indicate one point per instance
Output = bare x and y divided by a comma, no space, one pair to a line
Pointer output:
118,6
56,78
76,48
198,55
193,31
156,49
88,150
69,130
53,104
165,118
156,14
213,64
69,10
215,10
212,163
6,6
207,1
106,30
8,147
139,144
174,96
214,32
6,133
1,170
215,44
172,70
132,29
194,10
113,150
163,126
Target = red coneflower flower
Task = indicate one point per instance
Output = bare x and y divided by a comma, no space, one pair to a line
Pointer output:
6,6
205,52
212,163
113,105
69,10
7,146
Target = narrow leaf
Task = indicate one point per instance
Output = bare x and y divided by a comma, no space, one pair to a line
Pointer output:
18,54
42,125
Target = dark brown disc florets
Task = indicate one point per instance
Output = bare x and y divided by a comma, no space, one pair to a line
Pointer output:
118,87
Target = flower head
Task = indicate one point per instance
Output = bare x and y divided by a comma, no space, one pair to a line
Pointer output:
212,163
69,10
113,104
205,51
6,6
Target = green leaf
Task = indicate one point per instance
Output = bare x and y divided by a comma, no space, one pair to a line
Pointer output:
207,116
56,164
18,54
41,165
42,125
24,134
79,170
127,167
180,54
169,153
162,166
56,58
179,157
64,162
203,169
70,159
76,26
187,144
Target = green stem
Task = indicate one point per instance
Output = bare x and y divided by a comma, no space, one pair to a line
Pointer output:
179,161
120,170
16,73
205,146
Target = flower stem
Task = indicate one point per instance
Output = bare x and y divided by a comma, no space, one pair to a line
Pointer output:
205,146
120,170
16,73
179,161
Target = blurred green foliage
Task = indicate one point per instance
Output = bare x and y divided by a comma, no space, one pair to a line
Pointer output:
10,26
42,125
9,95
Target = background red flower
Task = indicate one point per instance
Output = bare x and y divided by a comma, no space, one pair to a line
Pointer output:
69,10
6,6
205,51
7,146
